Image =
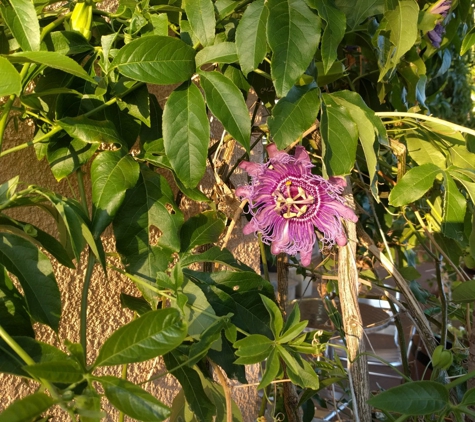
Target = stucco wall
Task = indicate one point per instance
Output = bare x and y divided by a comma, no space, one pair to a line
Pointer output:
105,314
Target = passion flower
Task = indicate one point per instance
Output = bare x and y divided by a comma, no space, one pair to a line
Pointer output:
287,202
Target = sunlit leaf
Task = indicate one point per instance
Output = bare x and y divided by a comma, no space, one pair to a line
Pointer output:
186,133
251,36
157,60
153,334
293,34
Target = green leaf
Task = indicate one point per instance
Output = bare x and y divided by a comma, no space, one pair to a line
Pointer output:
112,173
423,151
66,43
210,338
294,114
215,254
35,274
186,133
136,304
293,33
304,376
333,32
455,205
414,398
13,314
198,312
340,137
76,226
276,319
224,52
357,12
11,363
11,80
133,400
8,189
253,349
370,129
126,125
27,409
215,393
90,131
156,60
336,72
138,104
226,102
464,292
251,36
225,359
235,74
148,206
293,332
54,60
237,293
153,334
415,183
88,406
409,273
200,14
201,229
271,371
189,379
468,41
401,23
461,176
65,155
292,318
20,17
65,371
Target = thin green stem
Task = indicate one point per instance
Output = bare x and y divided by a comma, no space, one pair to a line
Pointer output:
48,28
424,117
262,73
4,118
123,375
443,303
38,117
263,257
20,147
263,407
350,82
82,190
85,290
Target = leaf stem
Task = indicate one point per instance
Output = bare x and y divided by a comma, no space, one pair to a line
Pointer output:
82,190
443,303
4,118
85,290
263,257
48,28
52,132
424,117
262,73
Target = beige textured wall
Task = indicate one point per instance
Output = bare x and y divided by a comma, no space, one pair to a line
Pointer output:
105,314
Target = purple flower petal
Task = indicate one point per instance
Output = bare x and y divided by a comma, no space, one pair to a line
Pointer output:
288,202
